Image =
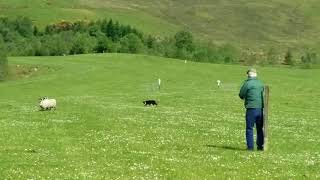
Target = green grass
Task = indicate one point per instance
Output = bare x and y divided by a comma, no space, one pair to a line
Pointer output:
101,130
255,24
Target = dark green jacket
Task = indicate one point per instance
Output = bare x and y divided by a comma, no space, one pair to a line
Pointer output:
252,93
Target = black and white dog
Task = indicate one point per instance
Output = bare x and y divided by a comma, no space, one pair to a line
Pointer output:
150,103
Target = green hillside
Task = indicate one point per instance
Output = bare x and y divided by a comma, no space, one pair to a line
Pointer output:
244,23
101,130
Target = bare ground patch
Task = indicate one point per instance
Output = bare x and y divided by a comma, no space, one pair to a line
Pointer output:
22,71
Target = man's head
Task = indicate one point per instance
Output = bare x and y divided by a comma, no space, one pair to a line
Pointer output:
252,73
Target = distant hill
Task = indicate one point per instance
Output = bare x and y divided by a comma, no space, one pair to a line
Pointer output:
244,23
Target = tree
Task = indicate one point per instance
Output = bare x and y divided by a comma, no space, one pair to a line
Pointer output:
36,31
126,30
44,49
24,47
36,46
104,44
23,26
3,61
273,56
103,26
155,45
228,54
131,43
117,32
95,31
169,47
309,58
150,41
62,26
184,40
110,32
56,44
201,54
183,54
288,58
10,36
82,44
80,26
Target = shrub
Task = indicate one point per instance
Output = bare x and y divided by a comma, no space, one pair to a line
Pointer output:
131,43
3,61
182,53
201,54
310,58
82,43
228,54
288,58
56,45
23,26
272,56
104,44
184,40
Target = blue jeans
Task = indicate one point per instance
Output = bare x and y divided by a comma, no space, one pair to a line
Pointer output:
254,116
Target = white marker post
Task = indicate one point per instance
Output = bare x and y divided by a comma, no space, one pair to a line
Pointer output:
218,83
159,83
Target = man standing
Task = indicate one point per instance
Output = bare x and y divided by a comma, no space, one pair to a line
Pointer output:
252,94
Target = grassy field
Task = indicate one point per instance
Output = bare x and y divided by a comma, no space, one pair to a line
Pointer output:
101,130
243,23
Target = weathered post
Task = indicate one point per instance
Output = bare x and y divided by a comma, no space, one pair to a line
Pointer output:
265,115
218,83
159,83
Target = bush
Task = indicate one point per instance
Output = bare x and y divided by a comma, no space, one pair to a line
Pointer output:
56,45
272,56
23,26
156,47
82,44
3,66
131,43
60,27
183,54
104,45
228,54
3,61
184,40
288,58
310,58
201,54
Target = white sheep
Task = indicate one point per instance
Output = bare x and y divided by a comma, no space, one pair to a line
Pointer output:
47,104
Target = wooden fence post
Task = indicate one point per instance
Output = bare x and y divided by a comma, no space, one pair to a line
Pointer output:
265,115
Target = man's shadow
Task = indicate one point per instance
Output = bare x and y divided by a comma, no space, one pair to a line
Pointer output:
225,147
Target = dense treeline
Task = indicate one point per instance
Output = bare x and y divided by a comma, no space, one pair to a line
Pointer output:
20,37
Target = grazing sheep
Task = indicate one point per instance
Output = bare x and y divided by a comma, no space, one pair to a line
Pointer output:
150,103
47,104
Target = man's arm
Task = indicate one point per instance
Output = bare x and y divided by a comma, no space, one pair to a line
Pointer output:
243,91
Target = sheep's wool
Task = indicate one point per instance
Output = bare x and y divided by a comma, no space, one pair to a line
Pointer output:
48,103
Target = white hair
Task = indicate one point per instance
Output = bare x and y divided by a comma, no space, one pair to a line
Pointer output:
252,74
47,104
